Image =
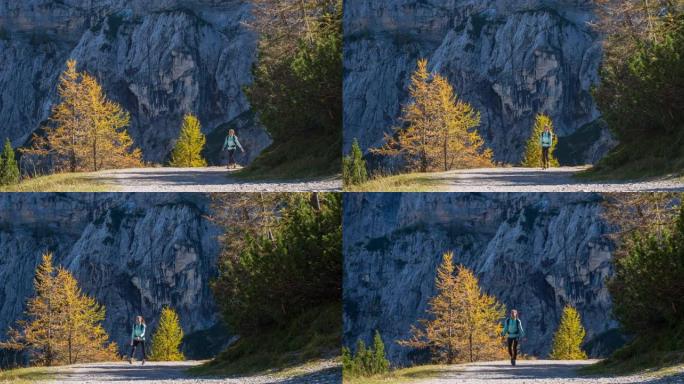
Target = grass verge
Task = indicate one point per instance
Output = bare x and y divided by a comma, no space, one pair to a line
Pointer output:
405,375
647,158
660,354
26,375
299,158
411,182
61,182
314,335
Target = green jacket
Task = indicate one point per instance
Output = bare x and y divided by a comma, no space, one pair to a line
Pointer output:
546,139
231,143
513,328
138,332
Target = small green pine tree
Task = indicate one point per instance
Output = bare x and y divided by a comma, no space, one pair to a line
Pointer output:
190,144
368,361
533,155
354,166
348,366
9,169
568,339
167,338
380,362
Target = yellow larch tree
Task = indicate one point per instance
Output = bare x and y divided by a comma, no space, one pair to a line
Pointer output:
87,131
81,338
480,318
106,142
188,149
440,131
464,323
38,335
167,338
567,342
63,325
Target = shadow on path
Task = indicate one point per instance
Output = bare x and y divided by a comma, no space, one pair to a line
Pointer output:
523,371
126,372
330,375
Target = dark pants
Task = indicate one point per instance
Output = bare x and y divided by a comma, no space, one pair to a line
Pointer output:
231,156
135,345
513,347
545,157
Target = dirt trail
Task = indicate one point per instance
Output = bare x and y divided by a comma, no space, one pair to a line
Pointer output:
174,372
534,372
537,180
208,179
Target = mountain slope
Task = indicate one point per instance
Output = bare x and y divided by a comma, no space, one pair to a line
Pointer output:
510,60
159,59
134,253
534,252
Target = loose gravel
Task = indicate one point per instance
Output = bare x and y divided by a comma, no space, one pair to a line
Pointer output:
208,179
536,372
537,180
326,372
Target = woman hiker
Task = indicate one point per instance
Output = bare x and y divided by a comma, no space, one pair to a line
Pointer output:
513,328
138,338
231,144
546,143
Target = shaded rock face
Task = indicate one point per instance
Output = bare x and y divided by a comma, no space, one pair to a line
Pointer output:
133,253
509,59
534,252
159,59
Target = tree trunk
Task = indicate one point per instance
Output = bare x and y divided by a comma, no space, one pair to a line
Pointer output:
446,141
94,155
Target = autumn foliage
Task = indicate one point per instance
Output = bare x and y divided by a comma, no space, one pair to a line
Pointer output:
87,131
167,338
190,144
439,131
63,324
567,342
464,324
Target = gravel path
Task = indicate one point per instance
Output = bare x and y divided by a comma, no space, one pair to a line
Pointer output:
209,179
534,372
174,372
536,180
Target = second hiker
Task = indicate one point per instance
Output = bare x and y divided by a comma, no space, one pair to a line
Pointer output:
513,328
230,145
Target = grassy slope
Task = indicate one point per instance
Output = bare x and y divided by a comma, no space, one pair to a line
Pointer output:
299,158
650,157
26,375
62,182
314,335
658,354
411,182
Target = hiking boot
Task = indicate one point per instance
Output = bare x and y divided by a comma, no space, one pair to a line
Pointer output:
514,361
130,361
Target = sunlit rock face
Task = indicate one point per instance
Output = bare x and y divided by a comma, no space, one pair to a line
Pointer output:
534,252
159,59
134,253
509,59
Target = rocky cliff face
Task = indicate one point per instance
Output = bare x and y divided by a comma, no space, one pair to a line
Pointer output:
159,59
134,253
509,59
534,252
